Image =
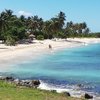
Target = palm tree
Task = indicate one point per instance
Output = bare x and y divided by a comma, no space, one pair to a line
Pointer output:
87,30
23,19
57,23
47,29
40,24
84,25
3,23
6,18
61,18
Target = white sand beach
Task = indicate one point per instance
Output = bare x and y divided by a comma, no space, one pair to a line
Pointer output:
37,47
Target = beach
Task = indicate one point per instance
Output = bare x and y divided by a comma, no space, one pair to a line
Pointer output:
24,52
10,52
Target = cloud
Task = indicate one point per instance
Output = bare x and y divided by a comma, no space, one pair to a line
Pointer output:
26,14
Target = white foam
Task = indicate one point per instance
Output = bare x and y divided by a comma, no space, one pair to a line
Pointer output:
74,91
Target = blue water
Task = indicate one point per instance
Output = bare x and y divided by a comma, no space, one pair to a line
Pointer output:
72,66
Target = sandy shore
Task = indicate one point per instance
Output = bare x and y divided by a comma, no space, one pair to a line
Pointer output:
10,55
27,51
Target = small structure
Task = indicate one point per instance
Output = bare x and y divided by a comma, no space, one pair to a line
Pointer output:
31,36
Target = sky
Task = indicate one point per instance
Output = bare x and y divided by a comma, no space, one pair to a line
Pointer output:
76,10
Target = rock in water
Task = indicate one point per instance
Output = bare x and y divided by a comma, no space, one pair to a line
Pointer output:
36,82
87,96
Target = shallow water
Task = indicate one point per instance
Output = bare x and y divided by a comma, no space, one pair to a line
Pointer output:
63,68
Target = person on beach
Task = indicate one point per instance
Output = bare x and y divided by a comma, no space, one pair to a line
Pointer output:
50,47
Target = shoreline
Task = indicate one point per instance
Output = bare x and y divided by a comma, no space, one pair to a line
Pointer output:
36,84
24,52
42,47
23,87
74,90
10,55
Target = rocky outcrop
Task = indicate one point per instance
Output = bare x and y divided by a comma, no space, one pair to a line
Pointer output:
6,78
26,83
87,96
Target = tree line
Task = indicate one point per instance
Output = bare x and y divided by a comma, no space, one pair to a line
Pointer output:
14,28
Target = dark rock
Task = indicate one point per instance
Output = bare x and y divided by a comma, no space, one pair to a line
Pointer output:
87,96
7,78
24,83
66,93
27,83
36,82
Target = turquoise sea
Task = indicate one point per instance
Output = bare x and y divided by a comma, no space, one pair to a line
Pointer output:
63,68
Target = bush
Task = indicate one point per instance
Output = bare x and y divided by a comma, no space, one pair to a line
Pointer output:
10,41
40,37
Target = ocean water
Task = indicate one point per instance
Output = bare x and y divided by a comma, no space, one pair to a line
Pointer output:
63,69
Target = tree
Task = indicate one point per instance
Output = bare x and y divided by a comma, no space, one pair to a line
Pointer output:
18,28
87,30
10,41
57,23
47,29
3,22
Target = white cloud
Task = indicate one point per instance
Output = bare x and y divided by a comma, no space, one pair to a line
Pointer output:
26,14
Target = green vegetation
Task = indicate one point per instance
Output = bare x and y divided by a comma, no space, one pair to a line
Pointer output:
40,37
9,91
10,40
13,28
